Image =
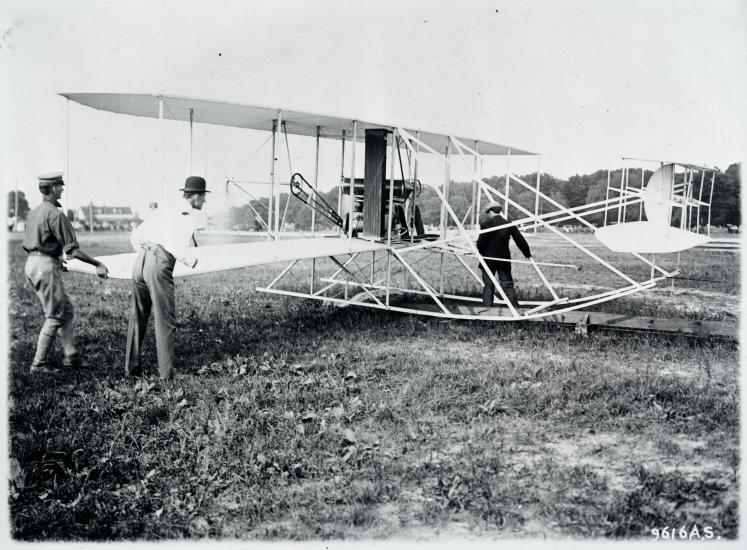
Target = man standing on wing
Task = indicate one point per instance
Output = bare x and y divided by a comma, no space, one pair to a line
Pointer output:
494,244
160,241
48,234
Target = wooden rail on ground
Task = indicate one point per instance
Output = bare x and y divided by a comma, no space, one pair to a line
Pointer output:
723,244
582,320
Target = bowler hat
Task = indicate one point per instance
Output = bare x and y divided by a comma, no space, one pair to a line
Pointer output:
195,184
49,179
492,206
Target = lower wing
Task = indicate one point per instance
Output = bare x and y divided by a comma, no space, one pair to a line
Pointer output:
235,256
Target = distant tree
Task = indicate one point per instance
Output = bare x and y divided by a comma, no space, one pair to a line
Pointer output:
23,205
596,192
726,197
576,191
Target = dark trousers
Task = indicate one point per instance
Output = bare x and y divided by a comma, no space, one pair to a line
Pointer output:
153,288
503,271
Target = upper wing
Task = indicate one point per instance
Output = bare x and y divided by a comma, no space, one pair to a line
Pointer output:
255,117
234,256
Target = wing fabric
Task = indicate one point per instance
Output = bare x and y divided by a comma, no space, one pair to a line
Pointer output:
235,256
261,118
648,238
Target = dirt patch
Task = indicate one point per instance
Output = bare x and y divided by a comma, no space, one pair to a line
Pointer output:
615,457
690,301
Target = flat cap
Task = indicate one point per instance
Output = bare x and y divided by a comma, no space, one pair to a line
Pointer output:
487,212
50,178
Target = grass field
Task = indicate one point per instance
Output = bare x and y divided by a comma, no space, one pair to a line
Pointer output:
297,420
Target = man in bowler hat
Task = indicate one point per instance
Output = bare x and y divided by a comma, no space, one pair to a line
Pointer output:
161,241
494,245
48,234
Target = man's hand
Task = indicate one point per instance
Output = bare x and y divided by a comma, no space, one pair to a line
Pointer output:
102,271
189,261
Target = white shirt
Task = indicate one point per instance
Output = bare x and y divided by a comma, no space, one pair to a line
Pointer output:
172,227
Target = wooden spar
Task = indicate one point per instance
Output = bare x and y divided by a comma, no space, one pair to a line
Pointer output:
689,199
671,193
414,193
530,261
700,200
391,213
313,210
537,190
475,190
690,203
710,201
640,204
508,181
683,212
342,173
622,184
67,162
624,188
275,186
479,192
163,138
272,178
607,195
544,280
442,215
282,273
444,224
316,177
191,130
351,199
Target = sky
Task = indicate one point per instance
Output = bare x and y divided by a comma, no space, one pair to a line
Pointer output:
584,83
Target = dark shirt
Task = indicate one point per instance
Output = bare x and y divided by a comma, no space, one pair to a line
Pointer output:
49,231
495,243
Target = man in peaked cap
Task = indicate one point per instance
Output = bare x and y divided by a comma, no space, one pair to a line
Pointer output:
161,241
494,245
48,234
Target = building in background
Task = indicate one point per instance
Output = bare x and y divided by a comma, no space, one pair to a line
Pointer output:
107,218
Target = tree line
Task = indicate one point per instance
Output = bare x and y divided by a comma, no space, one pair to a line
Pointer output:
576,191
23,209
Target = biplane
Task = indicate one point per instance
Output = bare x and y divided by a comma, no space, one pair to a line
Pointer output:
382,256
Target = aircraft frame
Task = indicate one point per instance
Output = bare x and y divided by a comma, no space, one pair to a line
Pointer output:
359,276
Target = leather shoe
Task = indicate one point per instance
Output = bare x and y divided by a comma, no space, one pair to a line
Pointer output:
73,362
43,368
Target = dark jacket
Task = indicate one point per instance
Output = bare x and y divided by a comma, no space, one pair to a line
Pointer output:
49,231
495,243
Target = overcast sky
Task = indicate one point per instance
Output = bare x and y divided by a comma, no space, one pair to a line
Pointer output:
582,82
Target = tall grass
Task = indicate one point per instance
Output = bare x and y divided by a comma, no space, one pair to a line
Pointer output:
296,420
